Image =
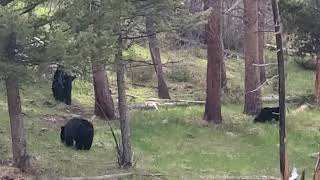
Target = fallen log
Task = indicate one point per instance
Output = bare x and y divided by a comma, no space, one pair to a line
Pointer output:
246,178
111,176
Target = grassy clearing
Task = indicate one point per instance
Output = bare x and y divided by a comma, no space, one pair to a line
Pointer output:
172,141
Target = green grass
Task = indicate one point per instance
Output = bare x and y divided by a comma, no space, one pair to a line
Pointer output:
170,141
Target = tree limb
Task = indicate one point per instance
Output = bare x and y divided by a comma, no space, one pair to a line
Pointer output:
259,87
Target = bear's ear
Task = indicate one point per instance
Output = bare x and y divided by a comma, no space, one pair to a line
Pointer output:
62,128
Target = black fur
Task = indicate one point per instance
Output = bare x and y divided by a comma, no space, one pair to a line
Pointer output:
267,114
62,86
78,131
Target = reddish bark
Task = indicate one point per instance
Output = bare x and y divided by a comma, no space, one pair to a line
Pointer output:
215,59
261,18
104,106
252,102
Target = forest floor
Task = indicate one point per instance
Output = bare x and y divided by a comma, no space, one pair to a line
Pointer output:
172,142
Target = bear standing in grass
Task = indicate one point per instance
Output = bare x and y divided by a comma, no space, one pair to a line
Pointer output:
62,86
77,130
267,114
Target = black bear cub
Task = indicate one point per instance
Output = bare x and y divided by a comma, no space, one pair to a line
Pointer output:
267,114
77,130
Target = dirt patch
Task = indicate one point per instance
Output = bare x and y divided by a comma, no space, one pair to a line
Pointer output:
7,172
66,113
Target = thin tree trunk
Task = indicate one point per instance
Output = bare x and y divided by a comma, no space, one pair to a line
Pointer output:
154,48
126,159
317,82
215,58
104,106
252,102
262,18
223,74
284,169
21,159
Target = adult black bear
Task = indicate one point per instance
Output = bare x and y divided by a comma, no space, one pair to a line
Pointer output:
62,86
267,114
77,130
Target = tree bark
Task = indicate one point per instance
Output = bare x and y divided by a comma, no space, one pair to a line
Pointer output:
262,6
223,66
284,168
252,102
126,159
317,82
104,106
154,48
223,74
195,6
212,112
21,159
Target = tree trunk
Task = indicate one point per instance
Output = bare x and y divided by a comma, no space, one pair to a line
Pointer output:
262,17
154,48
223,66
252,102
215,58
126,159
284,168
21,159
317,83
195,6
223,74
104,106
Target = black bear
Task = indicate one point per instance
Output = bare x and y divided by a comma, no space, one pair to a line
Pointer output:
267,114
77,130
62,86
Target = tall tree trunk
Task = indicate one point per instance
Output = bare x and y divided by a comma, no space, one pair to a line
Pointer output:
284,168
317,82
21,159
262,18
104,106
223,66
215,59
252,102
154,48
126,159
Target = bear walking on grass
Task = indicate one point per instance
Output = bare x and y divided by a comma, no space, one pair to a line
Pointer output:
78,131
267,114
62,86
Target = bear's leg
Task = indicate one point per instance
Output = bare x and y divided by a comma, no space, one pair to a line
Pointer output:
79,145
69,141
87,146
